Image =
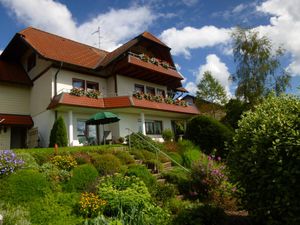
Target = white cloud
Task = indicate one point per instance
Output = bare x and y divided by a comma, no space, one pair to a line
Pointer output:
1,51
218,69
116,26
284,27
182,41
191,87
190,2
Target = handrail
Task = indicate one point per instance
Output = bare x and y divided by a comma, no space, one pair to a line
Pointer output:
157,149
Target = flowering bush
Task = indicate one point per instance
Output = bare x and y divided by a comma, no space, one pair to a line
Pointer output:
92,93
77,91
169,100
210,182
9,162
154,61
138,95
64,162
91,204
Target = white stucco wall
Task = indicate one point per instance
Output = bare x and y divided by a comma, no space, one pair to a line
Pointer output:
64,80
41,93
14,99
44,122
126,85
5,139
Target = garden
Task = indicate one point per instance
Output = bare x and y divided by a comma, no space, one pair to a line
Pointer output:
214,176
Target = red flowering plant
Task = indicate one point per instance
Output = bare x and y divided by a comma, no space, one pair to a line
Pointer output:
77,91
92,93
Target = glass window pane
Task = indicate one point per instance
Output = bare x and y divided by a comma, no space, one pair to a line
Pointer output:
92,85
150,90
139,88
78,83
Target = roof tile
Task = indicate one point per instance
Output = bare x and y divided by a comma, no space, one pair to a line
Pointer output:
9,119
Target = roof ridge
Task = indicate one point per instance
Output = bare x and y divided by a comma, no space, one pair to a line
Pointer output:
68,39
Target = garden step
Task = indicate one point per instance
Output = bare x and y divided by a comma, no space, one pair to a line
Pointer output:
161,180
138,161
120,148
156,175
179,197
167,165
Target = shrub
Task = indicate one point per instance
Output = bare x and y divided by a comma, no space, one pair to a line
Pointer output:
24,186
57,208
209,134
83,176
29,161
58,133
167,135
9,162
124,192
143,173
91,205
190,156
201,214
164,192
106,164
64,162
125,157
54,174
175,156
264,159
180,178
82,158
13,215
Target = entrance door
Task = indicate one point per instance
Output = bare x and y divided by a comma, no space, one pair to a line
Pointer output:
18,137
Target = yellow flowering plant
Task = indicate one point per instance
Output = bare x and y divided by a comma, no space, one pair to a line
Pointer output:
91,204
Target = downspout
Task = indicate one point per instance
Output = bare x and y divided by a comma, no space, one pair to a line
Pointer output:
55,84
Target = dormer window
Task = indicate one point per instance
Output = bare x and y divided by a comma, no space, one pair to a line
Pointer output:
31,61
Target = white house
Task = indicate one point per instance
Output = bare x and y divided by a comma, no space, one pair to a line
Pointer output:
41,74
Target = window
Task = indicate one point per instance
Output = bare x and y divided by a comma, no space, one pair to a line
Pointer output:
150,90
139,88
77,83
81,128
92,85
153,127
31,62
160,92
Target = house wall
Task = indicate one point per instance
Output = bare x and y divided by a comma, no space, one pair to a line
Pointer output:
126,85
110,86
133,122
5,139
65,77
15,99
41,64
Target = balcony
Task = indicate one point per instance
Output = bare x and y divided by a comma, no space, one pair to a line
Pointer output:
136,100
152,69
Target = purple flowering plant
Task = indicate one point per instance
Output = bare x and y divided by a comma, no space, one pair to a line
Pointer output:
9,162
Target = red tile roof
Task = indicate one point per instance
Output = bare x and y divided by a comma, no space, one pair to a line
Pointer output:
151,37
12,72
9,119
118,102
59,48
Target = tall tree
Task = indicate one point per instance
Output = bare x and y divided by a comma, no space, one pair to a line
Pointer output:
210,89
259,69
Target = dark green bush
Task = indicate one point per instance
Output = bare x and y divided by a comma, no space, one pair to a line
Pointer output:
24,186
106,164
201,215
83,176
264,159
209,134
125,157
164,192
167,135
143,173
58,133
82,157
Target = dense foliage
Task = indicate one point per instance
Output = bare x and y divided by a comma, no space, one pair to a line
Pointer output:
209,134
140,141
167,135
58,133
264,159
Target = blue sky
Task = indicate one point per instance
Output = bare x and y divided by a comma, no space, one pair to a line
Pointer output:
198,31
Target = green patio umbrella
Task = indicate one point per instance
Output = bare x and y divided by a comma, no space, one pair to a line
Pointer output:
102,118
